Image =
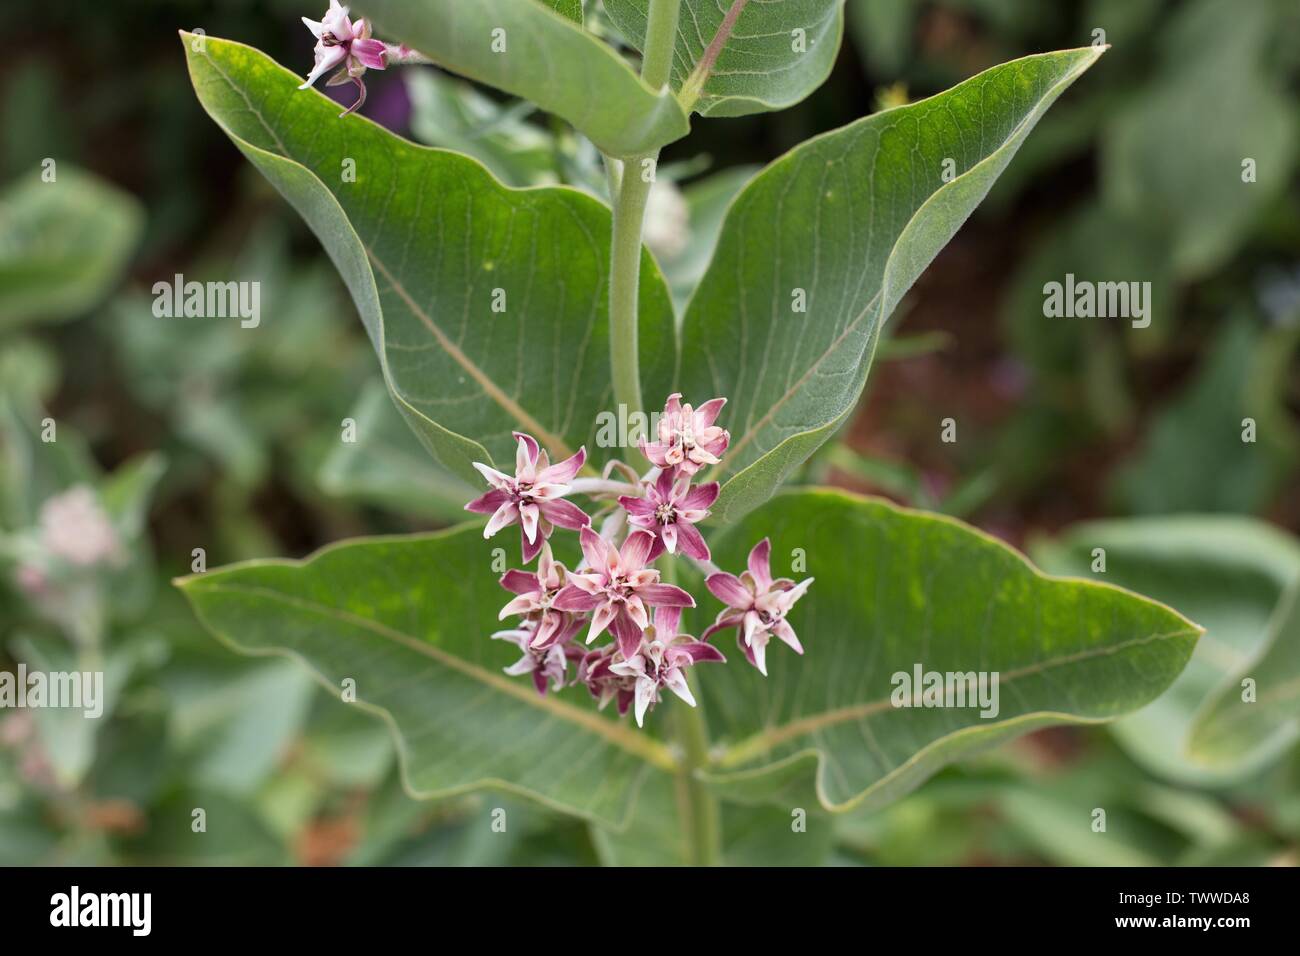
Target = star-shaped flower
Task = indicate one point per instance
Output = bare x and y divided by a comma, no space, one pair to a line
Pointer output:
660,660
347,45
603,683
757,605
669,510
545,665
536,595
532,498
617,588
688,439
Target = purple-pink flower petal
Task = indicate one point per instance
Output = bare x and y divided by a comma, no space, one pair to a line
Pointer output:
760,565
665,595
728,589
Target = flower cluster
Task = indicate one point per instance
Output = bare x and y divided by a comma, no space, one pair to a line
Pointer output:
614,591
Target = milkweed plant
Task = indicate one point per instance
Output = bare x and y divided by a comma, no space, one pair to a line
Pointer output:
529,336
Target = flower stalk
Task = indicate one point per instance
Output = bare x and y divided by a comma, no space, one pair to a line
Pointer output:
699,805
629,193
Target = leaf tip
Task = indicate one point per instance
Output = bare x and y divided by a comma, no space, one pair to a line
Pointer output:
182,582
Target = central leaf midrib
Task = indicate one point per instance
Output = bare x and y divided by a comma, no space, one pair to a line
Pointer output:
642,747
765,740
557,445
857,320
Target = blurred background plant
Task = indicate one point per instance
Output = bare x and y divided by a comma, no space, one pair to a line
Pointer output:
172,435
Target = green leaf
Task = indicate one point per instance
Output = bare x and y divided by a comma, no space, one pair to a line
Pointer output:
851,219
34,468
895,589
740,57
63,245
450,113
706,201
423,238
567,8
1227,573
238,727
547,59
408,619
127,492
386,466
1247,734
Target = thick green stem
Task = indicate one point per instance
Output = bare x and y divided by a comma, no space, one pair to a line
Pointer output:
698,806
702,806
629,202
624,283
660,40
629,190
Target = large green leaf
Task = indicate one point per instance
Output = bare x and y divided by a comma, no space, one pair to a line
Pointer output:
851,219
1229,574
547,59
744,56
1232,730
63,244
409,619
422,238
895,589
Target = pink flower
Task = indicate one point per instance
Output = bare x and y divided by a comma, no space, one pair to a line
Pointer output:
536,594
618,587
533,497
549,664
660,659
757,605
670,509
595,671
75,528
688,439
341,43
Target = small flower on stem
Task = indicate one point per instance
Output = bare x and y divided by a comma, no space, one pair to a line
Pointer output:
669,510
688,439
757,605
347,45
548,664
617,588
660,660
536,594
533,497
595,671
